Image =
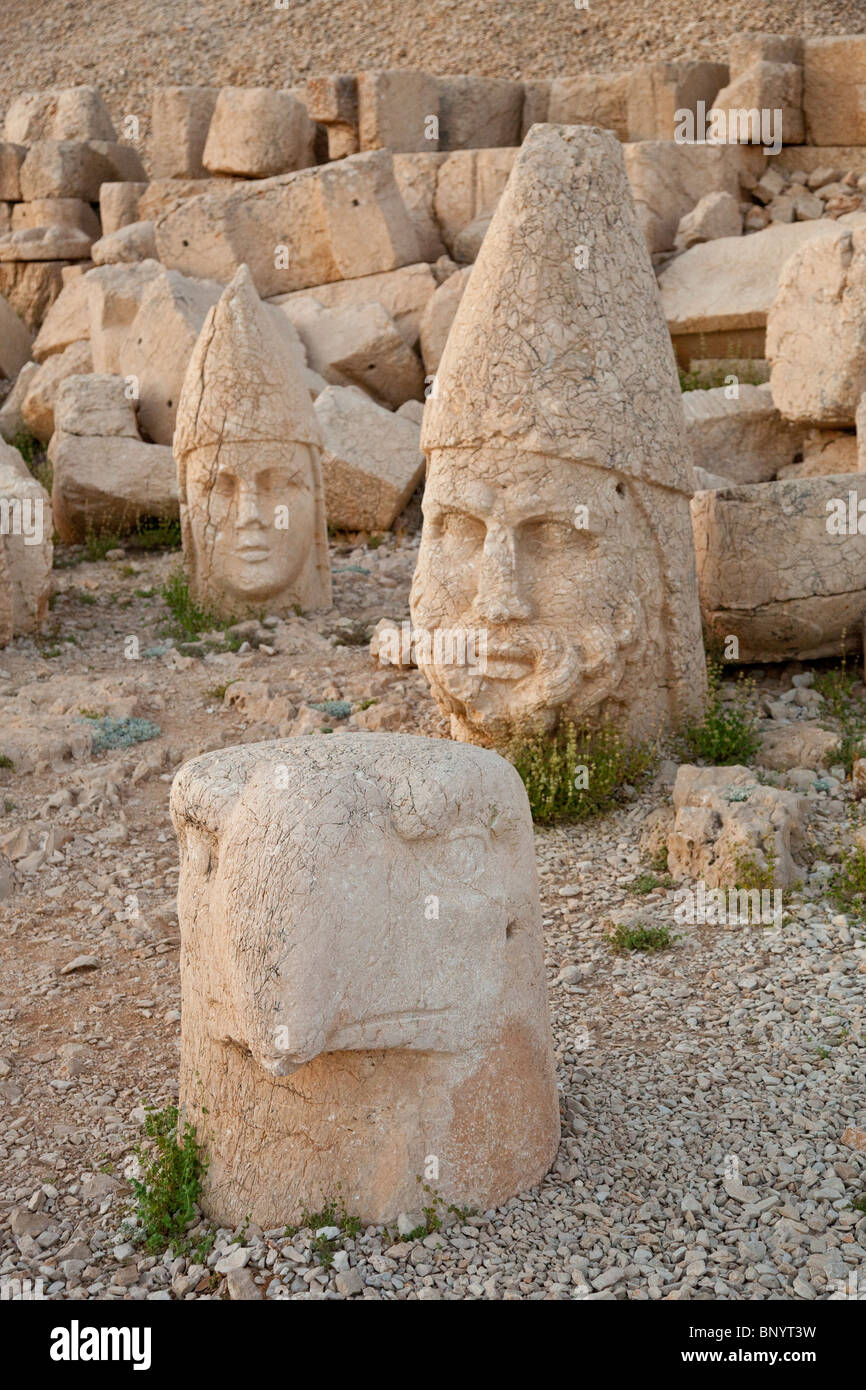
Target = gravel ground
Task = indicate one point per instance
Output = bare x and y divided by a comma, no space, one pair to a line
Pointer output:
130,49
705,1089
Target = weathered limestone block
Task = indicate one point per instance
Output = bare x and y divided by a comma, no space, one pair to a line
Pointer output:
798,745
128,245
750,47
394,110
371,460
816,330
11,420
416,176
31,287
727,826
67,113
404,294
163,194
774,570
356,1037
15,341
479,112
65,169
118,205
358,345
743,438
248,450
95,406
27,542
56,212
37,409
727,287
46,244
834,90
333,99
825,452
11,159
582,414
179,121
109,483
468,186
67,321
335,222
766,86
115,294
667,180
591,98
255,133
716,215
657,91
439,316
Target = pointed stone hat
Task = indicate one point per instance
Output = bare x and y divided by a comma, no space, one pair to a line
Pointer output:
559,342
245,379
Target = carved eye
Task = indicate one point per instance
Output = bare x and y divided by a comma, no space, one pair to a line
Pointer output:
465,856
224,485
201,854
462,529
548,534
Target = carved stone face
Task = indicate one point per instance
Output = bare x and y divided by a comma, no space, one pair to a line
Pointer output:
555,562
252,513
376,899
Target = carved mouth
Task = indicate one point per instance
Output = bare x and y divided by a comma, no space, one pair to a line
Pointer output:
253,554
351,1033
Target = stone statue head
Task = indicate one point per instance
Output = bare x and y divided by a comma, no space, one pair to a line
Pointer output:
556,506
248,450
357,893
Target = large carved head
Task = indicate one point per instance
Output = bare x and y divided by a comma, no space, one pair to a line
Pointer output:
556,521
248,450
359,892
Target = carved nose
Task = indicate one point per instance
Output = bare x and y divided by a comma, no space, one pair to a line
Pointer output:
248,506
498,597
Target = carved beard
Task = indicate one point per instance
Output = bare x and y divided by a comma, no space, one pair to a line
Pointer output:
558,671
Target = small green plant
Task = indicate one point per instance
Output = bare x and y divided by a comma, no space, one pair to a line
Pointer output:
333,1213
155,533
190,619
98,543
35,456
847,885
727,733
174,1168
837,687
859,1204
6,761
216,693
573,774
647,882
639,938
750,873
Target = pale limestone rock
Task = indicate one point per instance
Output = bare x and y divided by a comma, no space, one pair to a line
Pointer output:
766,86
163,194
59,212
834,80
658,92
667,180
255,133
37,408
727,826
356,1035
31,287
106,484
749,47
772,572
479,112
797,745
66,169
591,98
705,480
825,452
404,294
559,466
11,420
335,222
358,345
118,205
66,113
816,330
180,117
371,460
115,294
332,99
394,107
716,215
11,159
729,286
95,406
469,185
15,341
439,316
130,244
26,539
67,321
536,104
860,423
744,438
248,448
416,178
46,244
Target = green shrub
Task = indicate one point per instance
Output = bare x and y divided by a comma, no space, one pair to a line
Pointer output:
190,618
573,773
173,1172
847,884
836,686
727,733
639,938
98,543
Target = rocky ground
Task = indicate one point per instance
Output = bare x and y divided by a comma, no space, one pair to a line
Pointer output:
128,50
705,1088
